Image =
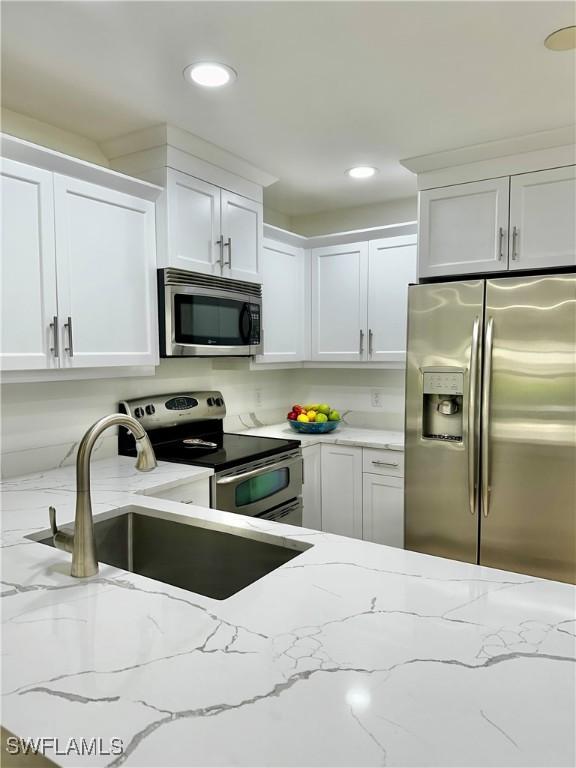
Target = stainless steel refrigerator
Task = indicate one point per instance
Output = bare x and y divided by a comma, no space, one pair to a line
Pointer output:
491,423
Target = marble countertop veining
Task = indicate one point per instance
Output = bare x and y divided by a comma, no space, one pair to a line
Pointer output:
343,435
351,654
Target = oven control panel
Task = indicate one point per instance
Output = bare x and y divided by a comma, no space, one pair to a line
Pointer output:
156,411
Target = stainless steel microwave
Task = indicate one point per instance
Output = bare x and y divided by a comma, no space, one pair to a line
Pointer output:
206,316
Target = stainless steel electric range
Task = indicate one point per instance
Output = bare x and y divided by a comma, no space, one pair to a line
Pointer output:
257,476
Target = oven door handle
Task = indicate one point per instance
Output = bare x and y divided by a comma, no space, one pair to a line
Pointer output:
279,514
255,472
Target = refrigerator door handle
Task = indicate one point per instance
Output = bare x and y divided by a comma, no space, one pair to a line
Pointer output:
472,436
487,385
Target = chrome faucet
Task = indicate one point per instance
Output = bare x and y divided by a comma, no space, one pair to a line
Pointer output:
81,543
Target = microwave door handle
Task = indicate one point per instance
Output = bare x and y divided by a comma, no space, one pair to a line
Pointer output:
246,336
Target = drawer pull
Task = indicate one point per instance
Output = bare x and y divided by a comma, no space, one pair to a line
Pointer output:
385,463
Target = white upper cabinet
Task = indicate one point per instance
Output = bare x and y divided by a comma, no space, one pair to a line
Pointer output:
204,228
283,302
191,210
463,229
391,268
105,260
542,219
241,227
339,291
28,275
78,269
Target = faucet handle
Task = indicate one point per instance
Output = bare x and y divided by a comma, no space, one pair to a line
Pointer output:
53,526
61,539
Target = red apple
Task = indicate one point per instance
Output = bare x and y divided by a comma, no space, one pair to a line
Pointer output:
297,409
292,416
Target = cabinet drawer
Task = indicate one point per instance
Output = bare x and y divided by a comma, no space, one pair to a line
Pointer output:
382,462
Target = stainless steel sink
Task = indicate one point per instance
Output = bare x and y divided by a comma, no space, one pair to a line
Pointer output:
187,553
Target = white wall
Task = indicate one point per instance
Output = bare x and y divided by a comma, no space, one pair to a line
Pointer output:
360,217
42,422
353,390
276,218
30,129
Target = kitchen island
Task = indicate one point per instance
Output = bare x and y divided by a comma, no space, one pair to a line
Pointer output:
350,654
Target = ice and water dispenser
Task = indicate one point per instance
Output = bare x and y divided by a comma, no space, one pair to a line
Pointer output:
442,394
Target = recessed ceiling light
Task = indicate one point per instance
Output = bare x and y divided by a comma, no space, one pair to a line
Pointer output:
362,172
209,74
562,40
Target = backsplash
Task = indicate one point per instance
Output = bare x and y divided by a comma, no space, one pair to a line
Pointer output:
43,422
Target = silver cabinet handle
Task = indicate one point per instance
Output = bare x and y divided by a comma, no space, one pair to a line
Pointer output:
361,341
70,347
515,243
54,327
370,341
228,244
500,243
385,463
220,243
472,417
487,383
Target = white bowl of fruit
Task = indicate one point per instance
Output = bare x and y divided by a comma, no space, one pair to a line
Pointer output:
315,418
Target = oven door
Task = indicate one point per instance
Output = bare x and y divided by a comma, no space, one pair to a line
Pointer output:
210,323
257,488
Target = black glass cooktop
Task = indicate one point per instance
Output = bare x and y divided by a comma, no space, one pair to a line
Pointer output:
231,450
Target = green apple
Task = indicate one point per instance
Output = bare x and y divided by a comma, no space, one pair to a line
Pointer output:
321,418
334,416
324,408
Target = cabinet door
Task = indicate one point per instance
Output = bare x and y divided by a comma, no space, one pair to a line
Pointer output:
28,277
391,267
542,219
339,298
463,229
105,256
312,489
383,510
193,224
341,471
283,302
242,232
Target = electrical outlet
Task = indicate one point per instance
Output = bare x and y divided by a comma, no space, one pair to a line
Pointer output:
376,398
258,396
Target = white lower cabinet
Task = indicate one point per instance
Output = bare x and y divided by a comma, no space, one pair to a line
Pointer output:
312,489
341,469
383,510
339,497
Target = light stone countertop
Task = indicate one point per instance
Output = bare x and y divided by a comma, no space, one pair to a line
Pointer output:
351,654
343,435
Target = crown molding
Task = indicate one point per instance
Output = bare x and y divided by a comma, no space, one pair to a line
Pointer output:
532,142
169,136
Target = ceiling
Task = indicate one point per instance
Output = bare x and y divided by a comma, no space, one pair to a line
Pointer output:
322,86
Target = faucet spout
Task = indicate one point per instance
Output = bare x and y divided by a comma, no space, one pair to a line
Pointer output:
82,543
